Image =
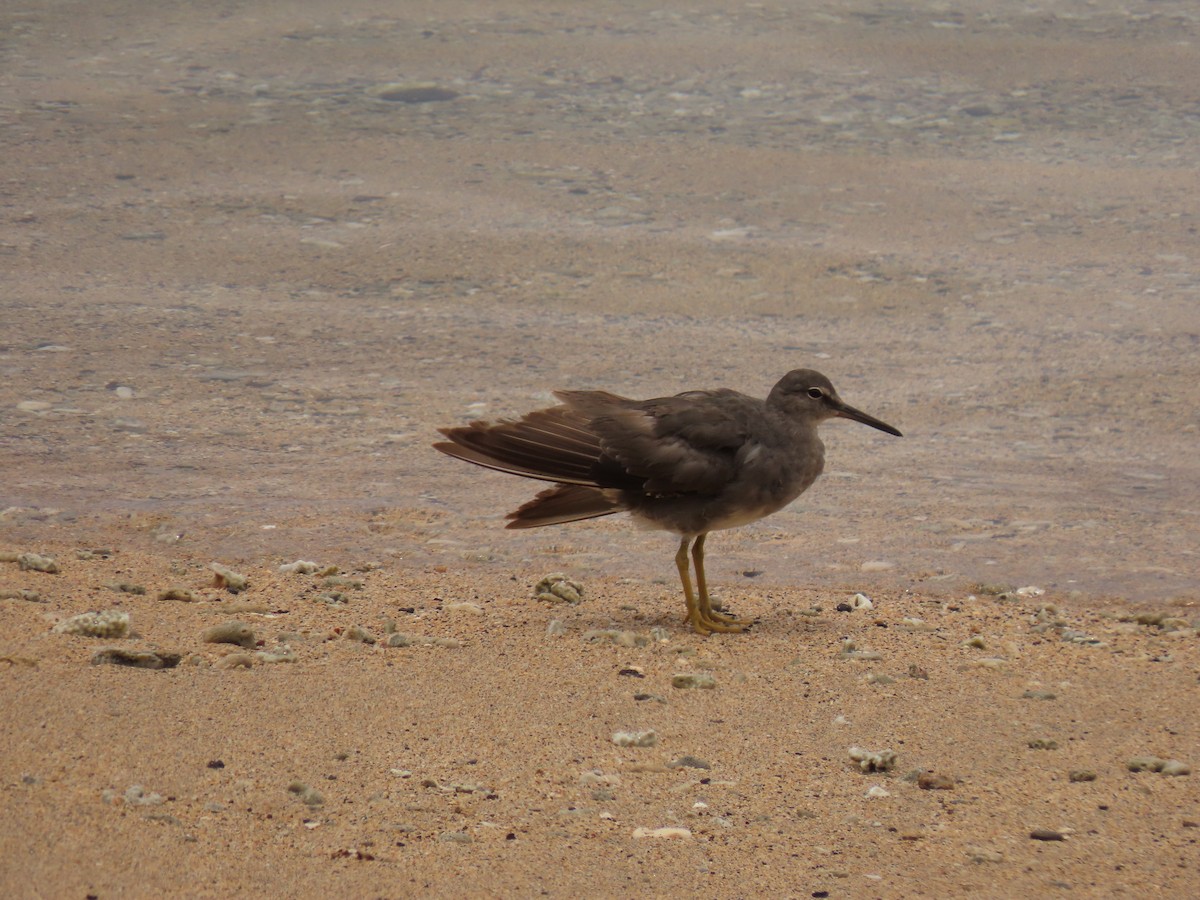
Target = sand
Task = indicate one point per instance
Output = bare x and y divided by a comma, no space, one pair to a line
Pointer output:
254,256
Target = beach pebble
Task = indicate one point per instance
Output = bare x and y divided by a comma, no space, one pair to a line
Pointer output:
281,654
33,562
225,577
635,738
557,588
693,680
232,632
1039,695
332,598
360,634
308,796
126,587
181,594
21,594
688,762
1155,764
470,609
666,832
1047,834
850,651
112,623
873,760
136,795
931,781
138,659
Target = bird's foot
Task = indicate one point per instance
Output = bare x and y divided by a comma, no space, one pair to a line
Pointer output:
732,620
716,623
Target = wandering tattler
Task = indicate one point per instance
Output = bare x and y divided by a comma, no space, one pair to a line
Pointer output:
693,463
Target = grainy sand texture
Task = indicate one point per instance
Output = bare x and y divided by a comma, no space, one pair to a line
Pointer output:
253,255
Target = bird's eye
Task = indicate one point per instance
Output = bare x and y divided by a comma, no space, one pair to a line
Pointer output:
816,393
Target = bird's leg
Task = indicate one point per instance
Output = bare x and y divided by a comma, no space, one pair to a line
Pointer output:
693,609
714,620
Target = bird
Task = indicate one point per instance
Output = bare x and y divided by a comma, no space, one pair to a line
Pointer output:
692,463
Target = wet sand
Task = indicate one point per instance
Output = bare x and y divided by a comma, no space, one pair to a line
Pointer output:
254,258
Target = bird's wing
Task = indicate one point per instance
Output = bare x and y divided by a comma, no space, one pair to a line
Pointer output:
556,444
686,444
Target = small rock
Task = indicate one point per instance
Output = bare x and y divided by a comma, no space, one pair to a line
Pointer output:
1039,695
137,796
556,628
666,832
126,587
21,594
33,562
861,602
915,671
930,781
281,654
873,760
233,632
688,762
1175,767
455,837
877,792
635,738
225,577
700,680
472,609
182,594
344,581
112,623
1043,744
308,796
1079,775
1145,764
236,661
360,634
138,659
850,651
1047,834
557,588
300,567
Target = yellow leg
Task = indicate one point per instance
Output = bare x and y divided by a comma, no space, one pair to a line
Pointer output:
701,615
693,609
733,623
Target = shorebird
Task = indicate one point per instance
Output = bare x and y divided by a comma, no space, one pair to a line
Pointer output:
696,462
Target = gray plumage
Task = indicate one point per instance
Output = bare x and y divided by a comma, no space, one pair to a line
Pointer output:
696,462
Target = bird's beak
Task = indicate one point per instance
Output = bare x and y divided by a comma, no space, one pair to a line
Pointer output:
849,412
